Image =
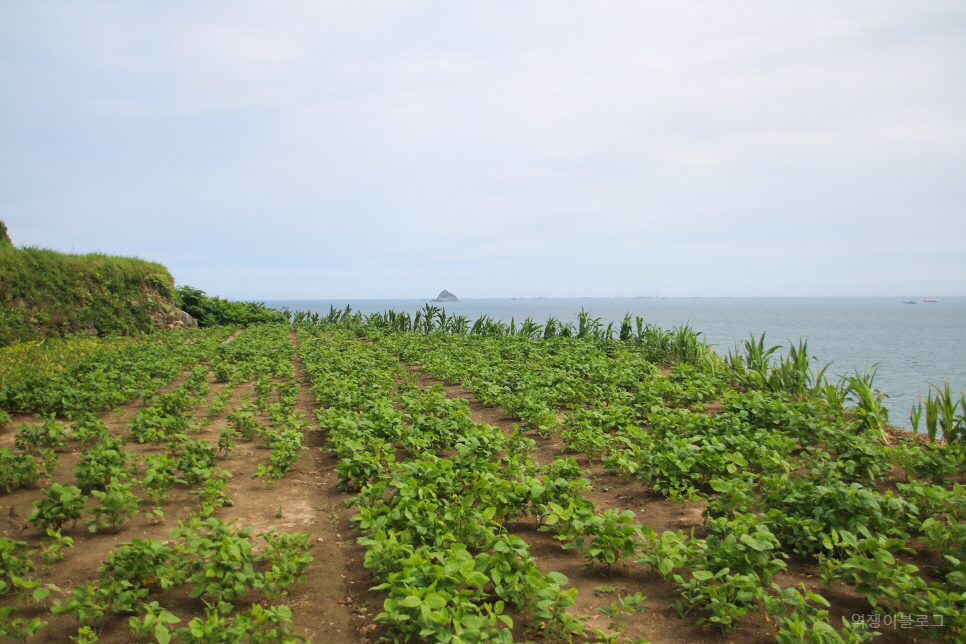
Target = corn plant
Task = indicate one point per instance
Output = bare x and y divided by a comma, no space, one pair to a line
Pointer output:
942,411
872,414
755,368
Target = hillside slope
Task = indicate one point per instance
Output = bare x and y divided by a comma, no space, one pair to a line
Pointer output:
44,293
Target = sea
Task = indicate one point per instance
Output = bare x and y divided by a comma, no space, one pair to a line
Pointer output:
911,346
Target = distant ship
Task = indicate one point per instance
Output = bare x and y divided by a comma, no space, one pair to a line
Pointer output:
932,301
909,302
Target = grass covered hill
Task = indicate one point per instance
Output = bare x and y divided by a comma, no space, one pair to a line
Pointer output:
44,293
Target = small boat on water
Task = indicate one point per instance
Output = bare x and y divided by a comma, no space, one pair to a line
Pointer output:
931,301
909,302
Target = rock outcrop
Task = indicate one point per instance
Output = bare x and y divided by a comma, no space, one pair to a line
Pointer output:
187,322
446,296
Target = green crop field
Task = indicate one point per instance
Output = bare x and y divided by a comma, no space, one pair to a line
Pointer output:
499,482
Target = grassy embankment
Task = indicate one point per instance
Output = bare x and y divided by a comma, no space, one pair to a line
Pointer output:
44,293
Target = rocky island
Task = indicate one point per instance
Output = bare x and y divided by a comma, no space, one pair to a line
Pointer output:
446,296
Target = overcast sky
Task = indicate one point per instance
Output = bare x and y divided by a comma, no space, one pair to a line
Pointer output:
275,150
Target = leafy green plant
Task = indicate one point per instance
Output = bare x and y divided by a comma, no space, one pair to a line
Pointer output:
197,460
267,473
800,622
223,565
243,422
85,635
213,493
17,470
88,429
145,563
153,623
226,439
54,546
872,569
619,611
159,478
288,557
32,437
93,603
104,463
268,625
215,628
154,426
62,504
15,567
19,629
118,504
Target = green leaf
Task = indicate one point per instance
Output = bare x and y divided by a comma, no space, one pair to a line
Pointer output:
412,601
435,601
162,634
557,577
477,579
702,575
665,567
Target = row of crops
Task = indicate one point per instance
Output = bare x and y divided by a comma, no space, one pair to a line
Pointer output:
784,476
167,447
790,469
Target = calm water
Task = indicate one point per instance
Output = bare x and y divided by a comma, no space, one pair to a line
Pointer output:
912,344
